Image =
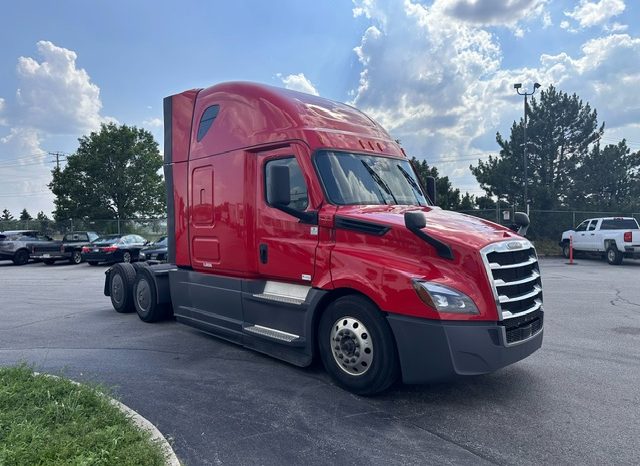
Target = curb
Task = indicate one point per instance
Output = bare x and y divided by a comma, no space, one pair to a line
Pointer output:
140,421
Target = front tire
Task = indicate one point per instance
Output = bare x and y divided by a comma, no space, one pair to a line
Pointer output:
566,247
614,257
121,287
357,346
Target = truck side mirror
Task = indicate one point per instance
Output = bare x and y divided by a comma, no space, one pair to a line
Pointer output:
521,221
415,220
279,188
431,189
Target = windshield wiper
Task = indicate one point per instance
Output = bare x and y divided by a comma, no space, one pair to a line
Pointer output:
412,183
380,181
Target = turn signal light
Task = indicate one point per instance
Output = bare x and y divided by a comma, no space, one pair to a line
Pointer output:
627,237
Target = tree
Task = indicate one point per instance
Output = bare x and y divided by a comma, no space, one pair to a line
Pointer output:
560,130
447,197
6,215
24,215
609,179
113,174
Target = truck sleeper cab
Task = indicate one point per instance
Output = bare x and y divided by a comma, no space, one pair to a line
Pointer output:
297,227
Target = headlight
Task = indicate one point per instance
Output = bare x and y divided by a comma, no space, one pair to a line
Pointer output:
142,256
444,299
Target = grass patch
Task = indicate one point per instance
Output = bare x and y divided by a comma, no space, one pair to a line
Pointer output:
51,421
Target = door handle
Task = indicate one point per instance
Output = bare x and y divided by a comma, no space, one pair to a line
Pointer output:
264,253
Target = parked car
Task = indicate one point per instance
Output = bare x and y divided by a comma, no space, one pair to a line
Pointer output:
16,245
613,237
155,252
70,248
113,248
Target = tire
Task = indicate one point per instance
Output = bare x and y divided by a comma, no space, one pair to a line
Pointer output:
49,261
348,325
614,257
126,257
145,298
565,249
76,258
21,257
92,262
121,281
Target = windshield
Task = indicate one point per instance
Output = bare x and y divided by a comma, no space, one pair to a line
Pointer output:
357,179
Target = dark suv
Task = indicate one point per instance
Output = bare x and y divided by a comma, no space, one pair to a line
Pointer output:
16,245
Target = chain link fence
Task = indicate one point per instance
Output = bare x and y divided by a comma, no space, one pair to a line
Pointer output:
149,228
545,224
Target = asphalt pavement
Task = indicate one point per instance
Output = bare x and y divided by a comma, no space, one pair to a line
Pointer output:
576,401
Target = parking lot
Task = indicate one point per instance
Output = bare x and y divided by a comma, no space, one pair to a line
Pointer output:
577,400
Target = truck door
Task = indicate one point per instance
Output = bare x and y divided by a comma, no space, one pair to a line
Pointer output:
285,247
579,237
592,235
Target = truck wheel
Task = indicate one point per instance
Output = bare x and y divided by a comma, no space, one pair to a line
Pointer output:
145,298
565,249
126,257
121,287
614,257
49,261
76,258
21,257
357,347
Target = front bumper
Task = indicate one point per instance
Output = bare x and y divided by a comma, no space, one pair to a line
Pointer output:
434,351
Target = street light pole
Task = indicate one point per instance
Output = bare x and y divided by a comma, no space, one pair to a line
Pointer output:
517,87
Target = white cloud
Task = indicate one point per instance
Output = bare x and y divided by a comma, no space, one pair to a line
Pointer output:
492,12
153,122
54,95
616,27
589,14
298,82
439,84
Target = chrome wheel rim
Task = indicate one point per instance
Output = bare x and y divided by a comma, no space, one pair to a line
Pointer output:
126,257
143,295
351,346
612,255
117,289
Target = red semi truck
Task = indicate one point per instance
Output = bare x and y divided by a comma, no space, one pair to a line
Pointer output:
298,228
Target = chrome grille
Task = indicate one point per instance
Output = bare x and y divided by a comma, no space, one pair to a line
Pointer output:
512,267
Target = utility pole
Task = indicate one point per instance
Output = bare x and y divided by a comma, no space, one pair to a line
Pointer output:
57,155
517,87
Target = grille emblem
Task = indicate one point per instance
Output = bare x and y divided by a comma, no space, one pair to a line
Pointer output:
514,245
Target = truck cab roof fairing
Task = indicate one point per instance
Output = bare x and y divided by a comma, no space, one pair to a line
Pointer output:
254,114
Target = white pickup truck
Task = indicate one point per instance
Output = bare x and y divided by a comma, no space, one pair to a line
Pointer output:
615,237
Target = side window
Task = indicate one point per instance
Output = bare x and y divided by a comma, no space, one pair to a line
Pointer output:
206,121
582,226
299,197
592,225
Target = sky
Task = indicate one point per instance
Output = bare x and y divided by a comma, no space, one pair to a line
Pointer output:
438,75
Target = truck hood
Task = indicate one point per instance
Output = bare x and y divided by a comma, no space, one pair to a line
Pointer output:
449,227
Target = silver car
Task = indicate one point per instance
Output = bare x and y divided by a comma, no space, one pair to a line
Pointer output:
15,245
